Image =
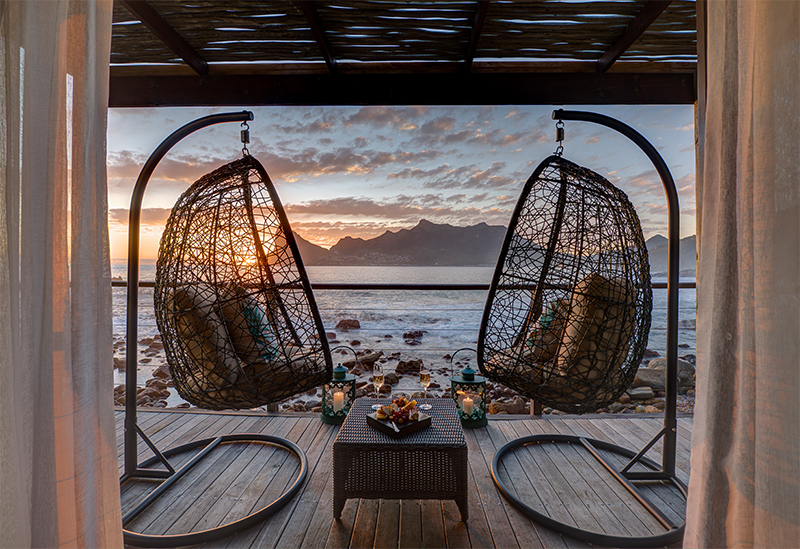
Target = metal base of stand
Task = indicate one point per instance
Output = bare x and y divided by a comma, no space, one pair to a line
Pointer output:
194,538
674,532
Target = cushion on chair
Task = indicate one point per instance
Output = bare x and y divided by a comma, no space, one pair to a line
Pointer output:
543,342
251,333
599,327
202,332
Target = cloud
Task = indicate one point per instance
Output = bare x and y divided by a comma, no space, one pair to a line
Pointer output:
280,165
399,209
446,176
686,187
477,138
438,125
385,116
150,217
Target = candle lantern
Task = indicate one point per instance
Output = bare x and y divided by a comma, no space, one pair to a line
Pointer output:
469,393
338,396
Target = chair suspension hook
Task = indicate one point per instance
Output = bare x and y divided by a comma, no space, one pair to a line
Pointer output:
245,136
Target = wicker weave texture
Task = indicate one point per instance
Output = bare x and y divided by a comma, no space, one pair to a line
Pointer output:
568,313
428,464
233,303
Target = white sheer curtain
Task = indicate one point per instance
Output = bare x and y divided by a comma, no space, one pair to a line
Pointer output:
58,466
745,480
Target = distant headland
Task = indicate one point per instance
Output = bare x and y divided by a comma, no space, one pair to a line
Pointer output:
430,243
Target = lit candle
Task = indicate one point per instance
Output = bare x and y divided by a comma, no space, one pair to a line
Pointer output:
338,401
466,405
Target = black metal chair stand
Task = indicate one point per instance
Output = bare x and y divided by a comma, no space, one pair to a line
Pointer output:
666,471
145,470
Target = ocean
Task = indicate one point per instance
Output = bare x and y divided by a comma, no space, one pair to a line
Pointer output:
449,320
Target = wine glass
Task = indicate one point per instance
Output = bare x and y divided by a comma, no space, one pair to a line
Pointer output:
377,380
425,380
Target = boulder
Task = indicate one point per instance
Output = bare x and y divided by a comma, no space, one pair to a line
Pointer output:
348,324
413,334
615,407
640,393
516,406
408,366
162,372
654,375
366,359
390,378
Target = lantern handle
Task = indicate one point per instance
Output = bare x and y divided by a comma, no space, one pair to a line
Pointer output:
453,357
355,354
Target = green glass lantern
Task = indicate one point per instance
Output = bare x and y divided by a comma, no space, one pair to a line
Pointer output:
469,393
338,396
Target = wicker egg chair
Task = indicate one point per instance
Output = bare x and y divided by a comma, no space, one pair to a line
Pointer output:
568,312
233,302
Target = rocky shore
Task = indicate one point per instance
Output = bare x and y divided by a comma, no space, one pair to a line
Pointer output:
401,371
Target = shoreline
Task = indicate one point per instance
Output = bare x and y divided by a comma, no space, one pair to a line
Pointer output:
401,368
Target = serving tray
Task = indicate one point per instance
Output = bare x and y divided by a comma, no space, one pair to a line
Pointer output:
385,425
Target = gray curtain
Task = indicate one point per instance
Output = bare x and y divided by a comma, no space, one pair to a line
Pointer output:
745,480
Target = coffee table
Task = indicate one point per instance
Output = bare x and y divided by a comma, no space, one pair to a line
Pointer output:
428,464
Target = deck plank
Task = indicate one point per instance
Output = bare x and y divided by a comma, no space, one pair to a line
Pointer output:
187,494
491,439
387,528
365,524
279,473
314,440
541,471
319,459
515,476
189,428
455,530
433,533
629,514
487,500
671,504
558,480
410,532
567,484
240,495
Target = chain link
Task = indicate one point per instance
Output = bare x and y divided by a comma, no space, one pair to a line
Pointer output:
245,135
559,137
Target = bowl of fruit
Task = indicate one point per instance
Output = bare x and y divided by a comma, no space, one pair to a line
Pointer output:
399,418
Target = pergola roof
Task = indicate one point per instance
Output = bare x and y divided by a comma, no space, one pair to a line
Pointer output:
223,52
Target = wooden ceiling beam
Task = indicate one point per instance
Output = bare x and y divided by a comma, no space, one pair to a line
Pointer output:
403,89
310,11
475,33
640,23
151,19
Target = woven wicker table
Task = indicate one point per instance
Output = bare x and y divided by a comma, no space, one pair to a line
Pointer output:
428,464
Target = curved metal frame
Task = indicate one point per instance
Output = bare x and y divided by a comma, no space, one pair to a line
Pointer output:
194,538
669,432
132,468
675,533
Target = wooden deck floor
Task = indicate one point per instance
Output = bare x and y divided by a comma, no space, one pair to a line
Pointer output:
560,480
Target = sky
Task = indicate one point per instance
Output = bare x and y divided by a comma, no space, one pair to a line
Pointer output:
360,171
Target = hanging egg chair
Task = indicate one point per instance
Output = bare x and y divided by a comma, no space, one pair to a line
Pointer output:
568,312
233,302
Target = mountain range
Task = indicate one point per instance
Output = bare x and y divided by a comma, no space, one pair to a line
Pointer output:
446,245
